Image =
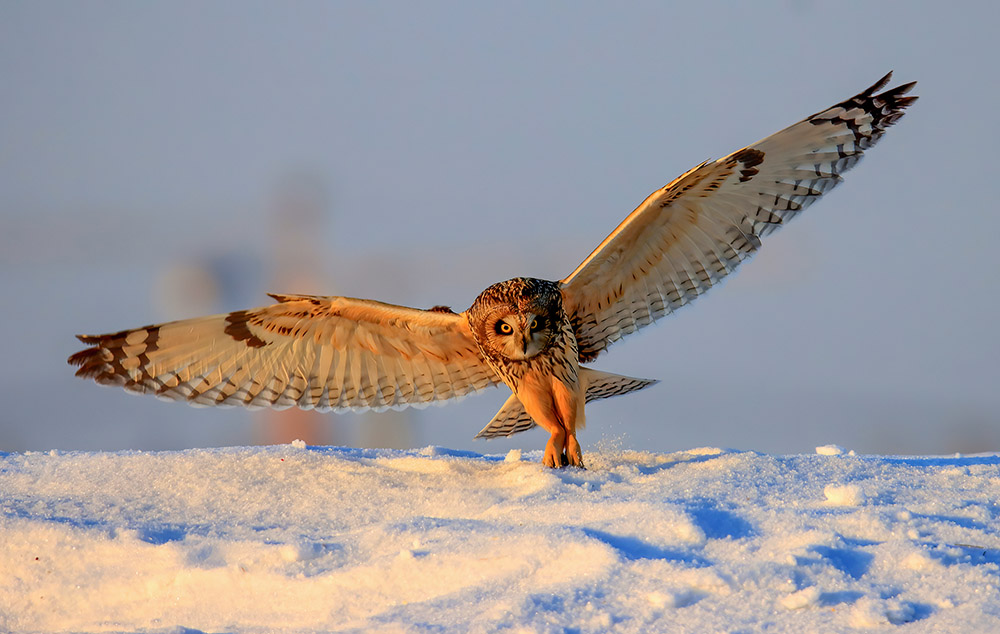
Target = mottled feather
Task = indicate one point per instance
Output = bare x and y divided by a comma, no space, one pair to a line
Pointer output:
325,353
684,238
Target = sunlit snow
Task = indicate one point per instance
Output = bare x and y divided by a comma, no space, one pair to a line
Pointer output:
297,538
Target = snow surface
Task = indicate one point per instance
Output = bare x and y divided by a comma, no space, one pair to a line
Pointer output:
296,538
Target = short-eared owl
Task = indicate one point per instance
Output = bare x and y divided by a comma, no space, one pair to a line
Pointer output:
342,353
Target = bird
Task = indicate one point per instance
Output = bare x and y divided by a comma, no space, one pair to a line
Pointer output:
533,335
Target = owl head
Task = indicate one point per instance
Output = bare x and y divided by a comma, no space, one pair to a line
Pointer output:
517,319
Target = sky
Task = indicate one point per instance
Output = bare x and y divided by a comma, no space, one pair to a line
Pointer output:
153,157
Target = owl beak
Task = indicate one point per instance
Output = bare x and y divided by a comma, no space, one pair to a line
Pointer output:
526,334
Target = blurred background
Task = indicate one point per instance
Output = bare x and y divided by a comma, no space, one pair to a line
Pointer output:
161,160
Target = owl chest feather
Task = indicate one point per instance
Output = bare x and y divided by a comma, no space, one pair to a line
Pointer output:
551,402
548,384
559,361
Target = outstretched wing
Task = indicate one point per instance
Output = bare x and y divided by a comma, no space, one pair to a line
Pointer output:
315,352
687,236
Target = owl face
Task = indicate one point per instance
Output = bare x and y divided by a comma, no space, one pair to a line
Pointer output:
517,319
518,336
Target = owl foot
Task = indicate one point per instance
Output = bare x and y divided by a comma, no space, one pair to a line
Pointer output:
573,455
563,461
554,456
553,459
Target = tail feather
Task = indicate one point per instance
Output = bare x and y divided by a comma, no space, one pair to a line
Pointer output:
512,419
605,384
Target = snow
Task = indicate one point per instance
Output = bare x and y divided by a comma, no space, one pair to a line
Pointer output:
831,450
846,495
297,538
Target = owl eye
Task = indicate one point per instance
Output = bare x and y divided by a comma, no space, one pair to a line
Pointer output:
536,324
504,328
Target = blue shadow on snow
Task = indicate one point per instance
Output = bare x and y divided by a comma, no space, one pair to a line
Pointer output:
633,548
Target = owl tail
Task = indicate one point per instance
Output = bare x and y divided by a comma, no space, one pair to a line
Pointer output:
512,418
604,384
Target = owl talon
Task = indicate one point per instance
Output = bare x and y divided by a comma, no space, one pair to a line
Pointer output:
562,462
573,451
553,460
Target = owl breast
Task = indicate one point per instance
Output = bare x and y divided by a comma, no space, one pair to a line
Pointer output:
520,327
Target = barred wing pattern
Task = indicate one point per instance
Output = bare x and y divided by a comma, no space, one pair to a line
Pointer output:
510,420
327,353
684,238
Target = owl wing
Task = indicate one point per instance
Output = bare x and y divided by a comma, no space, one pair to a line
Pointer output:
687,236
315,352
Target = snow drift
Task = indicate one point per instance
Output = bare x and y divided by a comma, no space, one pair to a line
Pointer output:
296,538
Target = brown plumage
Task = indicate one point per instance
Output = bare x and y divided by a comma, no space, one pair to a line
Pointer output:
336,353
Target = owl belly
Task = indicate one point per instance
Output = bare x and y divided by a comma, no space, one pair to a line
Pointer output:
551,402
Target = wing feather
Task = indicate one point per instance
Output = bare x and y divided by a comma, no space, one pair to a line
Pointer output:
327,353
686,237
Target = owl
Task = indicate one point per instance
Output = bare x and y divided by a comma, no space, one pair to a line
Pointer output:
533,335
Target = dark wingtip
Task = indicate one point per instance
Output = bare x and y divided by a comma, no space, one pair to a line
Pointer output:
78,358
905,88
82,357
879,85
93,361
896,95
893,94
90,361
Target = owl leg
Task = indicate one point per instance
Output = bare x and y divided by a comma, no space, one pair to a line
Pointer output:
553,406
554,456
569,404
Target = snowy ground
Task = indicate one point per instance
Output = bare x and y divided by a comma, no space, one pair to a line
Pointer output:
295,538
